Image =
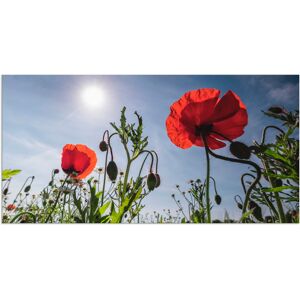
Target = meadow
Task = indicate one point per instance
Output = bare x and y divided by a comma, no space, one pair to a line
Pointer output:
200,118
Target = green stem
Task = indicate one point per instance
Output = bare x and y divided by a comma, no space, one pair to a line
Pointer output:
269,203
207,182
104,178
63,208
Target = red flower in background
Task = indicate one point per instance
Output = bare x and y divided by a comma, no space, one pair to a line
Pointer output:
79,159
202,112
11,207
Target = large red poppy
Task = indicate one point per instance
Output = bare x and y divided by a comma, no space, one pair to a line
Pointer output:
202,112
79,159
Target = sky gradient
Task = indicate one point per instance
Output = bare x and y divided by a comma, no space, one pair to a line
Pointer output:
43,113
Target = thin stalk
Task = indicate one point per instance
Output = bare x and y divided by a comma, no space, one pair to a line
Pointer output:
207,181
269,203
104,178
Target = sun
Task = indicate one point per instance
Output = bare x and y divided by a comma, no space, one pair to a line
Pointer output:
93,96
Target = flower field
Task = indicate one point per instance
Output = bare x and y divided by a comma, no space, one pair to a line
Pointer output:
200,118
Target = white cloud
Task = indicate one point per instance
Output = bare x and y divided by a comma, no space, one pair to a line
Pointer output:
287,92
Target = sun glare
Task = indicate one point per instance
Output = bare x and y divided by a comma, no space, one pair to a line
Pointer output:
93,96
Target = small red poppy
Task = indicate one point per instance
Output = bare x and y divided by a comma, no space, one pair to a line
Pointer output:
202,112
11,207
78,159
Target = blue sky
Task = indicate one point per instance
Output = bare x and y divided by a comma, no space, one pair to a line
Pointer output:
43,113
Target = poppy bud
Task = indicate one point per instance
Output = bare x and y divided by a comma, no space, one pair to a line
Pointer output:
218,199
239,205
294,213
240,150
5,191
103,146
256,210
157,180
112,170
27,189
151,181
56,171
276,110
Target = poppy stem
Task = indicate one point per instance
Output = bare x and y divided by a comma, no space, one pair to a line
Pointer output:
241,161
207,180
104,178
269,203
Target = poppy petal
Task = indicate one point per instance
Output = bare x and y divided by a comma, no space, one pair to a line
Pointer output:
198,113
80,161
177,133
194,96
212,143
78,158
232,127
67,157
92,160
227,106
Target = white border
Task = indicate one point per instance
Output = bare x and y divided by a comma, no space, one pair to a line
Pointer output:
149,37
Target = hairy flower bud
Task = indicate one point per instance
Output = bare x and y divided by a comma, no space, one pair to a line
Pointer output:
157,180
112,170
240,150
103,146
5,191
239,205
276,110
151,181
27,189
218,199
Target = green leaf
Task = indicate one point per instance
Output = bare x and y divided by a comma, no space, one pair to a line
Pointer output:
104,207
246,215
276,156
8,173
280,188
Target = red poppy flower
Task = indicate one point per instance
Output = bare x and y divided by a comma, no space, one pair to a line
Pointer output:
78,159
11,207
202,112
